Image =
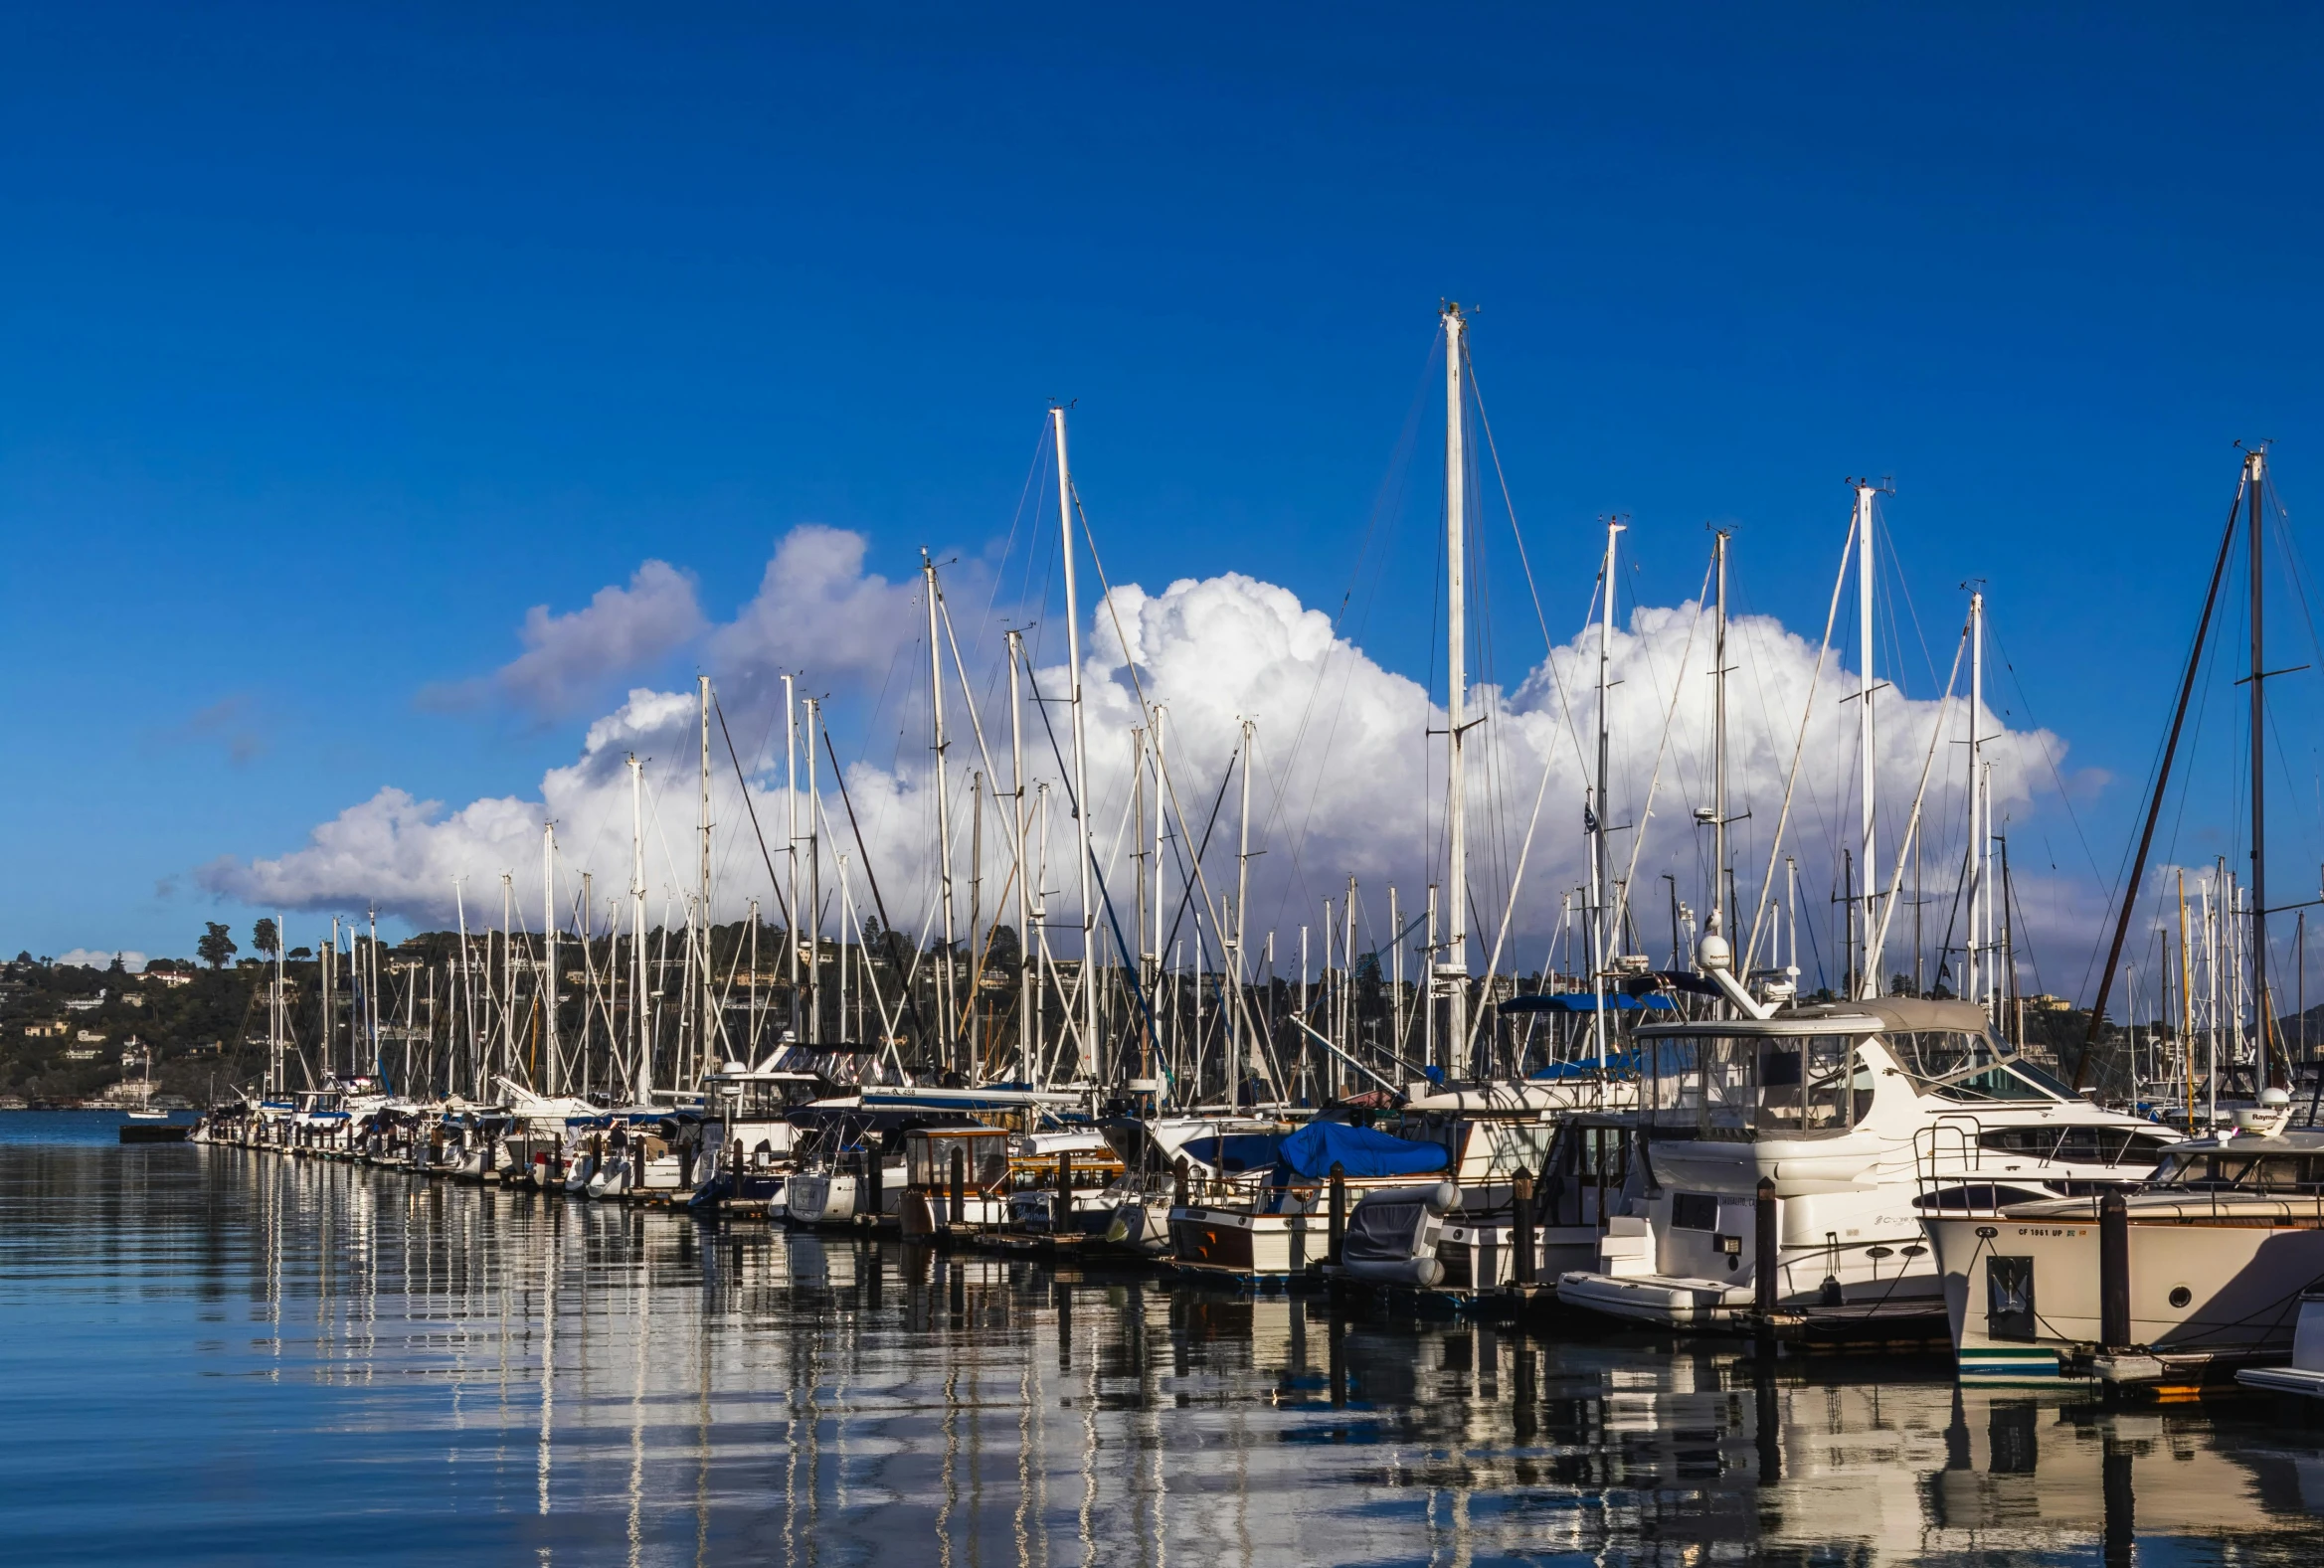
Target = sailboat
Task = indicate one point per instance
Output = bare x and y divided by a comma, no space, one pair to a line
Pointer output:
142,1109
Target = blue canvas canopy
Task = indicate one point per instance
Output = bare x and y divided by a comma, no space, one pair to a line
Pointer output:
1314,1149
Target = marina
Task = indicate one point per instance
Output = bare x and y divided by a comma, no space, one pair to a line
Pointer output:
498,1373
1697,1145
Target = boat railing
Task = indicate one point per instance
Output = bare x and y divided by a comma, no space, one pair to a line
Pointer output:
1949,1158
1219,1191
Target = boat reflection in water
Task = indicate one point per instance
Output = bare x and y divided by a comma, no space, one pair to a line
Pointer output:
487,1374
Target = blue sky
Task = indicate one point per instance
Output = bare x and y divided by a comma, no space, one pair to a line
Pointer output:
334,339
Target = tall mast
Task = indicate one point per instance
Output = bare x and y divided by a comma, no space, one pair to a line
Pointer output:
978,1050
1453,964
553,1079
638,1013
511,1056
790,810
1138,883
468,991
1428,1004
2255,523
814,880
1045,975
274,1016
944,830
1081,805
331,967
1161,817
1973,974
1602,935
706,997
752,1050
588,995
1025,870
1244,1052
1869,974
1719,739
1396,1012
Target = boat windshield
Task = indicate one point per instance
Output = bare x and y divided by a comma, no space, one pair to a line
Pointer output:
2215,1171
1738,1086
1971,1066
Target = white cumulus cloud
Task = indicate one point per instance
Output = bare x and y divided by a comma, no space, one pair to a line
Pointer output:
1350,777
568,658
92,959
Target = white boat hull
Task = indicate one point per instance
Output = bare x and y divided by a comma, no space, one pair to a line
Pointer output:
2019,1291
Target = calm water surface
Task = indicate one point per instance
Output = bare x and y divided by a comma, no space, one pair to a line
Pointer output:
211,1356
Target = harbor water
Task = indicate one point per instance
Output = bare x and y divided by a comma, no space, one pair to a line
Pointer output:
213,1355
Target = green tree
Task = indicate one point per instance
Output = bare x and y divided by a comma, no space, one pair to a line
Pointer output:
217,944
1002,953
264,939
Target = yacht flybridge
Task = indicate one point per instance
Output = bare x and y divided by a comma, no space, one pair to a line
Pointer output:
1859,1121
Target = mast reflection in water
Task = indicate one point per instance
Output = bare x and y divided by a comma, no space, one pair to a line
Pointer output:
219,1356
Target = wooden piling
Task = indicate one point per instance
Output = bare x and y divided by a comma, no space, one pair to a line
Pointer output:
1521,1203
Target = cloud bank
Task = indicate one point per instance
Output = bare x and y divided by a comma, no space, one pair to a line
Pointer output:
1348,766
92,959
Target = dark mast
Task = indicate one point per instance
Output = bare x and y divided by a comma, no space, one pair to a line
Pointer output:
2254,478
2154,805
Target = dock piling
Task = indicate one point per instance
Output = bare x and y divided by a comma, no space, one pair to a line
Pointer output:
1338,1231
2115,1272
1521,1203
1767,1245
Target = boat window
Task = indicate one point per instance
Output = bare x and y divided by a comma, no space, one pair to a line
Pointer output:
1734,1085
1994,1083
2041,1077
1979,1197
2085,1146
930,1162
1694,1211
1971,1066
1806,1083
2215,1172
1940,1053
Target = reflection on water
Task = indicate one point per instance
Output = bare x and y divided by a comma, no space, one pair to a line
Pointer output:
217,1355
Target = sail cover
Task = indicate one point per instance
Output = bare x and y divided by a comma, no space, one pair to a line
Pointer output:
1314,1149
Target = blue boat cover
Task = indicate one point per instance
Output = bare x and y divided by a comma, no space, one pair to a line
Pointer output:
1624,1061
1236,1151
1584,1001
1359,1150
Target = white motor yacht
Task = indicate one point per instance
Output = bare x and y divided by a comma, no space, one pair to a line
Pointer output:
1865,1119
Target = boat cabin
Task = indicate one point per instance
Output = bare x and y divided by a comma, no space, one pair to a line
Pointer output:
930,1155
